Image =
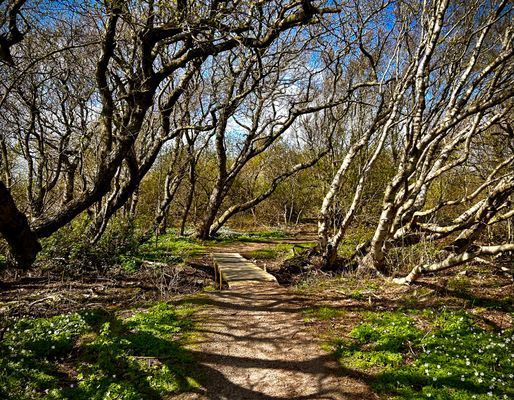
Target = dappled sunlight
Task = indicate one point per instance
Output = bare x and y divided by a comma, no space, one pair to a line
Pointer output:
98,355
254,344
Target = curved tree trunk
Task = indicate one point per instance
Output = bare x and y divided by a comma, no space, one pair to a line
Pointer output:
14,227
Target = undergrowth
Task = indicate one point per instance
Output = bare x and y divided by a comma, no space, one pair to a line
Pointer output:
420,355
98,355
277,251
227,235
169,248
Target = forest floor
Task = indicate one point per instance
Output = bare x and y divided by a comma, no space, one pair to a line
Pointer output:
162,331
256,344
354,338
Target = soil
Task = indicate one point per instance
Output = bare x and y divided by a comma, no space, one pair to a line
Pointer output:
45,293
254,343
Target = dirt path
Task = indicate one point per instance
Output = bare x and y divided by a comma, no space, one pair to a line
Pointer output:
254,344
245,247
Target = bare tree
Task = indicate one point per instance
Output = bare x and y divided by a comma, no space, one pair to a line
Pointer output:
254,111
10,33
442,80
142,52
437,126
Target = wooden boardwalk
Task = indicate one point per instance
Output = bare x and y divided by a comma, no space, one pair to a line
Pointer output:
236,270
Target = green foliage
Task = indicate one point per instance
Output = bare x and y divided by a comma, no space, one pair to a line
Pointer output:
404,258
270,253
170,248
322,313
48,337
359,234
263,235
459,282
450,358
72,246
358,288
277,251
120,245
104,356
228,235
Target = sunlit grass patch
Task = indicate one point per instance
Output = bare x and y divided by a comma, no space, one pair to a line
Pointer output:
271,252
448,356
170,245
322,313
166,248
277,251
98,355
257,236
227,235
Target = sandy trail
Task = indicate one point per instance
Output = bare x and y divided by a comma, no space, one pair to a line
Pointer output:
254,344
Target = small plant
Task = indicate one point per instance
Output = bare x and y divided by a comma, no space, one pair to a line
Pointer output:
451,359
105,357
322,313
169,248
228,235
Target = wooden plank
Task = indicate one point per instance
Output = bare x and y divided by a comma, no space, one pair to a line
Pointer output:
236,270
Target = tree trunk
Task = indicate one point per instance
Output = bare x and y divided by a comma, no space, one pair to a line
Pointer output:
14,227
204,232
189,200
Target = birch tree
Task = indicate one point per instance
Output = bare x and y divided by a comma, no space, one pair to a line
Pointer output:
460,88
445,81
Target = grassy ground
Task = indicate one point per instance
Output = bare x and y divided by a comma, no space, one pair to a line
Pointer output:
277,252
174,249
99,354
108,335
448,337
441,354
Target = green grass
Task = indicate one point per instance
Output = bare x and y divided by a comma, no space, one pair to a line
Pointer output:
173,249
230,236
99,355
166,248
324,313
169,245
420,355
277,251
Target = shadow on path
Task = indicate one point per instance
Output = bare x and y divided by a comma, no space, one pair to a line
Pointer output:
253,343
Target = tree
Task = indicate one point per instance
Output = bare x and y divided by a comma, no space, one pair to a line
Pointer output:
456,113
447,81
141,52
254,111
